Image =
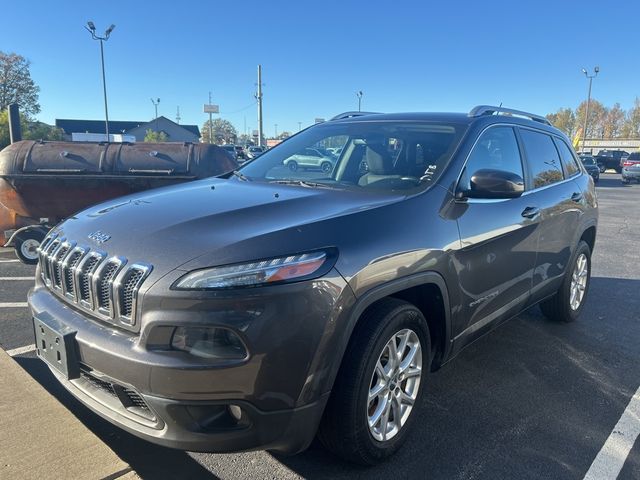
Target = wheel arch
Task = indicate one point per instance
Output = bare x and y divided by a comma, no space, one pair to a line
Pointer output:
407,288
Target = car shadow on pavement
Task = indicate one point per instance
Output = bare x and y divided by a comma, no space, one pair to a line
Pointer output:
609,182
534,399
150,461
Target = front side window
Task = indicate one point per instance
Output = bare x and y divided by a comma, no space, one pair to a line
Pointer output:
496,149
362,155
542,157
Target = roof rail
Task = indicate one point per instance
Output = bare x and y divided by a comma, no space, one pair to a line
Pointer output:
344,115
490,110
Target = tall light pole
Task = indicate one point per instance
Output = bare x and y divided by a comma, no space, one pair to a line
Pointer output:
155,104
299,126
276,128
359,95
91,28
258,96
586,116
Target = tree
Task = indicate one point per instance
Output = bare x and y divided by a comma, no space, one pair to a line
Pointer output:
564,119
284,135
631,126
223,131
30,130
155,137
597,115
16,84
613,121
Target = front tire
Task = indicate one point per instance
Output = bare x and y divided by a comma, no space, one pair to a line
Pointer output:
326,167
293,166
380,384
569,300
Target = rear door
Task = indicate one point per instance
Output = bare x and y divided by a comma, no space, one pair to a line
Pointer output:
560,200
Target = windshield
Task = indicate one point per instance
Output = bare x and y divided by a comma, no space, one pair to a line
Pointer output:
588,161
363,155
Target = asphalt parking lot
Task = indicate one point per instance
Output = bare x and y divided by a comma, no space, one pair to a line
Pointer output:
533,399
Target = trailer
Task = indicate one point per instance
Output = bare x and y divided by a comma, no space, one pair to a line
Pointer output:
42,183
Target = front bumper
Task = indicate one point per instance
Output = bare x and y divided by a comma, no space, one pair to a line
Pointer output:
273,400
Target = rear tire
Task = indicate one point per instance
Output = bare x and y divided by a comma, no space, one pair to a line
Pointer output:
326,167
26,246
374,399
569,300
293,166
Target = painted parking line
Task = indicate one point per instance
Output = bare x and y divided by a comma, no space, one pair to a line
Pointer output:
611,458
13,304
21,350
16,278
11,260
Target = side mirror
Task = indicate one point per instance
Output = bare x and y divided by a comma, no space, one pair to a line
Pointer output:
489,183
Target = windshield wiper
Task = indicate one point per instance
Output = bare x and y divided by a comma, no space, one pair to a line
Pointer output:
240,175
301,183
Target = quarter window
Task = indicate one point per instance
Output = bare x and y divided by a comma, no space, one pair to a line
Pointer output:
496,149
542,157
568,159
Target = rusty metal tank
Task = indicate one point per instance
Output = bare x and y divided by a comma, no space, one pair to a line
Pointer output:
44,182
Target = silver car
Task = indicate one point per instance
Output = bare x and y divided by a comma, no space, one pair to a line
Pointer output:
631,168
310,158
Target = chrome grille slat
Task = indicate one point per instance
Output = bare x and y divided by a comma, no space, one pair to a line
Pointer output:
106,286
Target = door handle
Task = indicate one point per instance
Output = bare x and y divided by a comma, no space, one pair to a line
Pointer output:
531,212
576,197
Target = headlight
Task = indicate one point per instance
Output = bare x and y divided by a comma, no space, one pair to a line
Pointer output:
275,270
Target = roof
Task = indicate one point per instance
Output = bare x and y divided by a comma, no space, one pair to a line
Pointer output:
115,126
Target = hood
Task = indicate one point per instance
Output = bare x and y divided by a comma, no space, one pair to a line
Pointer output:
170,226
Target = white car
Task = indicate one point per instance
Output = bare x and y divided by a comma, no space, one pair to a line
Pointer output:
310,158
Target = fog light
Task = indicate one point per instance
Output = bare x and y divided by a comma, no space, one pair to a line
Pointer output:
209,342
235,411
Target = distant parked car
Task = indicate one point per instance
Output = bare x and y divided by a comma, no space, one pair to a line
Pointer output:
241,153
231,148
255,151
631,168
591,167
612,159
310,158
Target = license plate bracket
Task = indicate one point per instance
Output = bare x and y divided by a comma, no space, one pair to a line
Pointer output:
57,349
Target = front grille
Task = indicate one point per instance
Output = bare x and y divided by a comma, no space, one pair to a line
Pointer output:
116,394
106,286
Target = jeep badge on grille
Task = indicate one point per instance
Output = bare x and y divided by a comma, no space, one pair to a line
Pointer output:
99,237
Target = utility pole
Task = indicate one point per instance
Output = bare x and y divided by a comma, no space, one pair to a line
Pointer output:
178,115
155,104
586,116
259,99
210,122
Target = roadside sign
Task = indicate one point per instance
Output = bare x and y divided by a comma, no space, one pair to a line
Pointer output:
319,120
209,108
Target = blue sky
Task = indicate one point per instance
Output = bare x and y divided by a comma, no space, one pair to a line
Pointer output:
404,56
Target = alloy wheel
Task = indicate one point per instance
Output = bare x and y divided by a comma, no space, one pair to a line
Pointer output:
578,281
394,385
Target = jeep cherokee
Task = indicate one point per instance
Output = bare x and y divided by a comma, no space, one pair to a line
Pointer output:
260,308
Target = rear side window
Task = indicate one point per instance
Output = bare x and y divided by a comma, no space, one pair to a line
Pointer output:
542,157
496,149
567,157
634,156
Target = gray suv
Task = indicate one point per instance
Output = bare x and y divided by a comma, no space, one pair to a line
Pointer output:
260,308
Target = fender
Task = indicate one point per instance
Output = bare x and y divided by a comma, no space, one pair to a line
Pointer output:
385,290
